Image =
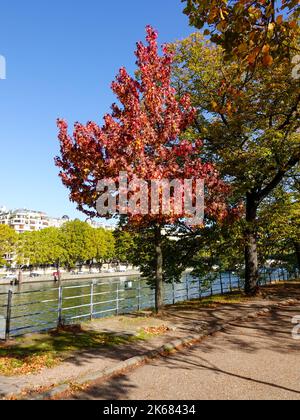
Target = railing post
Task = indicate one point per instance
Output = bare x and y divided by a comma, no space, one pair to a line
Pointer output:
60,306
117,309
8,314
239,282
187,288
139,296
221,283
200,289
174,293
230,281
92,301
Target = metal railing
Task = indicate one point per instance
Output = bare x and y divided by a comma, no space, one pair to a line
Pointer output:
45,309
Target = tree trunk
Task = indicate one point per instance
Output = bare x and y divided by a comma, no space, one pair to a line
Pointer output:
251,254
297,251
159,270
20,277
58,272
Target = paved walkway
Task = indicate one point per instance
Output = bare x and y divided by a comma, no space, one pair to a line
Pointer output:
255,360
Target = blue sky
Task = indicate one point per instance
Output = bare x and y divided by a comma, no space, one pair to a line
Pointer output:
61,58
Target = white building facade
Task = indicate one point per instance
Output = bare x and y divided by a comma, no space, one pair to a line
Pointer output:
23,220
100,225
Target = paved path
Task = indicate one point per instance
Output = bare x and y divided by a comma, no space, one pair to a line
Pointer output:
258,359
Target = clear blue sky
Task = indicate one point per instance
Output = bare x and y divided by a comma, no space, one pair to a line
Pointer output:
61,58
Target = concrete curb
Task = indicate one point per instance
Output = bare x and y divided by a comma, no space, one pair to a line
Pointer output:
167,349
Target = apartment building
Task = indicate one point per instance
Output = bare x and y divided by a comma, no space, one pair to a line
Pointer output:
96,225
23,220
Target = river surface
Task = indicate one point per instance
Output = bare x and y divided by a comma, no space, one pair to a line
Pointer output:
35,307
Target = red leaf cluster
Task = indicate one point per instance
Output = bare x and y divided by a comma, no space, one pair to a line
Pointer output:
143,136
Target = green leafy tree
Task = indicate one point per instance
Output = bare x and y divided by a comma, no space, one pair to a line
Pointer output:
28,249
74,243
40,248
110,242
124,245
8,238
51,246
77,239
104,246
251,129
279,228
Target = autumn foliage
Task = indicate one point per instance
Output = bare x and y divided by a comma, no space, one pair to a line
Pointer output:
142,136
256,32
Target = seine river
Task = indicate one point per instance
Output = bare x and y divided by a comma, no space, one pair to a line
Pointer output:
35,306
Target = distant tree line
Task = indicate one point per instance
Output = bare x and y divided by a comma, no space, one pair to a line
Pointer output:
217,248
73,245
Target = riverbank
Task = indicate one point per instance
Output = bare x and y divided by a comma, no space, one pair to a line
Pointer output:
69,277
131,336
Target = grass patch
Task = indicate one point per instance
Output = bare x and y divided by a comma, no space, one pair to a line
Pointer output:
133,320
214,301
35,352
22,363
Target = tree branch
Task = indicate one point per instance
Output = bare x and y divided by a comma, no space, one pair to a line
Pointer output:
278,178
290,114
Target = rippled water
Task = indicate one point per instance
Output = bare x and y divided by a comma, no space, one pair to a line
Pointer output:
35,306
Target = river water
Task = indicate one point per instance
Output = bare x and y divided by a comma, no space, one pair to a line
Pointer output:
35,307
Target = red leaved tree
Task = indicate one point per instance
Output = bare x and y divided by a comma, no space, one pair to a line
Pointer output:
142,137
